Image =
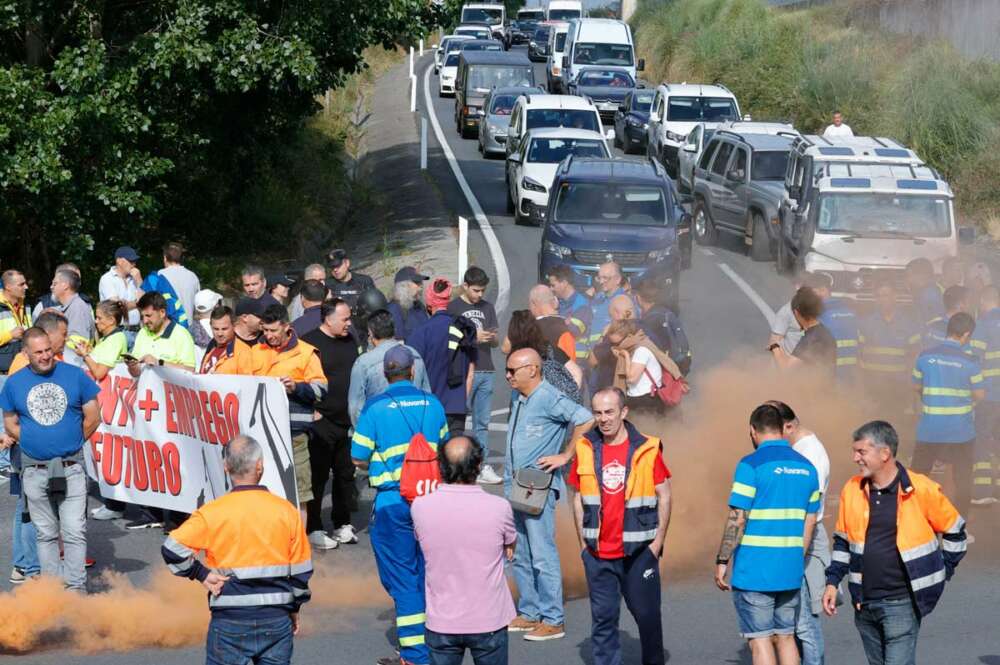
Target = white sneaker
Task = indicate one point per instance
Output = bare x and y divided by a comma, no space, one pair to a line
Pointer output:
345,535
487,476
321,541
104,513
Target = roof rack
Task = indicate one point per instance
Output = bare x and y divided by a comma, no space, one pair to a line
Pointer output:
730,133
657,167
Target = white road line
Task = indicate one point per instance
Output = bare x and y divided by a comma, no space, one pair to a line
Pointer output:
754,297
706,252
492,242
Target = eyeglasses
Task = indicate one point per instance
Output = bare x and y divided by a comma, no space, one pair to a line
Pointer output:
602,278
511,371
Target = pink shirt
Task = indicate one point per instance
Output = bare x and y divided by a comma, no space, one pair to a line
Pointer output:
462,531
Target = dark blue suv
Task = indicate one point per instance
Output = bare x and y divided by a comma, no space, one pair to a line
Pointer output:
621,210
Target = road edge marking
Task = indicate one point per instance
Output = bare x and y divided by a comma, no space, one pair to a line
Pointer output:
492,242
749,292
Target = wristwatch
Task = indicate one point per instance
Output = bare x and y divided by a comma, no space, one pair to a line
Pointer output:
774,346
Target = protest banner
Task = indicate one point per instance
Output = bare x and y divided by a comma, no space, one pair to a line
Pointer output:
161,436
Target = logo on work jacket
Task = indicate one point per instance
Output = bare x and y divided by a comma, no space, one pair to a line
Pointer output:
613,477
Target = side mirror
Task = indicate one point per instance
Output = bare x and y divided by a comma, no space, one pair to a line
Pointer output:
737,175
565,61
622,108
966,235
654,116
641,66
691,147
514,158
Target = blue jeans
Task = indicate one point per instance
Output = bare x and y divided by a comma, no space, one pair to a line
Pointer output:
765,613
260,641
536,566
480,401
59,517
5,458
25,542
808,631
486,648
889,631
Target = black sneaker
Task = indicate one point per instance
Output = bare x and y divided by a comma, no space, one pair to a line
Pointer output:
144,522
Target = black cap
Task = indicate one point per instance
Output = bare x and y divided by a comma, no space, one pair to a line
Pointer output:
279,279
247,305
336,257
409,274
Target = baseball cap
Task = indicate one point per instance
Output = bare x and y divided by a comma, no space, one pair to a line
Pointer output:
247,305
206,300
279,279
336,257
397,358
127,253
409,274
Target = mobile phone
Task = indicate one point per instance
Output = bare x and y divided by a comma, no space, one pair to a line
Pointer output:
129,358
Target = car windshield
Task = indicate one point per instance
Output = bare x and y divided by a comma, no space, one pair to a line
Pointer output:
708,109
541,35
478,33
531,15
608,203
553,151
483,78
560,41
563,14
452,60
871,214
619,55
482,15
642,101
769,165
605,78
576,118
481,46
502,104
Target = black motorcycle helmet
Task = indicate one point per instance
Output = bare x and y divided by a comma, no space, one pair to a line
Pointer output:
368,302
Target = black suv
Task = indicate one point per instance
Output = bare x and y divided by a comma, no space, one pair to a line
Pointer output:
739,183
621,210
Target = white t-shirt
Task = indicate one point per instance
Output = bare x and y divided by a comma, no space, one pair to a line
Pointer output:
832,131
785,324
812,449
643,356
186,285
113,287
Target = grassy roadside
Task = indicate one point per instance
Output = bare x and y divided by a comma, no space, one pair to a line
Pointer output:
799,65
305,199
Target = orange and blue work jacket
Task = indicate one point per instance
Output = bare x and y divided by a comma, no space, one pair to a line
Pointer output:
256,539
300,362
923,512
640,493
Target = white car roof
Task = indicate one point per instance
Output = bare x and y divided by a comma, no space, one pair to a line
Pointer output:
555,102
564,133
748,127
697,90
903,186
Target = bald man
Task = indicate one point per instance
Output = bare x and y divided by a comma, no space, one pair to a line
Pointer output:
544,306
621,308
601,360
541,418
986,345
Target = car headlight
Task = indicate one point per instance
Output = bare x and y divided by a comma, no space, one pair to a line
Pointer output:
558,250
660,254
532,185
674,137
635,122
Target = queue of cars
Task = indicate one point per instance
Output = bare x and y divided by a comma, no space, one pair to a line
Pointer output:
848,206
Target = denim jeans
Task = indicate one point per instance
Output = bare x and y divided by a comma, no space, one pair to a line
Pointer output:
536,566
480,401
5,458
261,641
25,542
808,631
486,648
64,516
889,631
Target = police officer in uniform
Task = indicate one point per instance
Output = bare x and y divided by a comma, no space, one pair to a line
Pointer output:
343,283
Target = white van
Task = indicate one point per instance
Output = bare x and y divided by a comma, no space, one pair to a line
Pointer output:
553,64
598,42
564,10
492,14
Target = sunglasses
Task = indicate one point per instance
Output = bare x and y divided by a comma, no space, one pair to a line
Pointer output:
510,371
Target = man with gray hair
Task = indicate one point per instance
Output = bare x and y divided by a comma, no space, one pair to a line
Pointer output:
408,311
257,563
465,535
887,539
544,306
312,272
66,297
255,285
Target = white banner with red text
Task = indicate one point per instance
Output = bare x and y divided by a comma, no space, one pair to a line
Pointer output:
161,436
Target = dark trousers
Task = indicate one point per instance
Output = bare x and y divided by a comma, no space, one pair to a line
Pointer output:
960,457
486,648
330,453
456,422
257,641
637,578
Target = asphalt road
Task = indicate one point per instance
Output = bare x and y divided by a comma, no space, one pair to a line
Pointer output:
724,298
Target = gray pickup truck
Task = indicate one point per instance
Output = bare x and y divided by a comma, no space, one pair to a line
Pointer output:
739,183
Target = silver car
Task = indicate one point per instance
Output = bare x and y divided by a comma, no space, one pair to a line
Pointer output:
497,108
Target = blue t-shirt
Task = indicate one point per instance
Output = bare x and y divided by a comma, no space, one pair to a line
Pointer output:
384,429
50,409
986,346
947,376
777,487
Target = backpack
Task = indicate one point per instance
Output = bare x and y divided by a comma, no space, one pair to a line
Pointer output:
420,474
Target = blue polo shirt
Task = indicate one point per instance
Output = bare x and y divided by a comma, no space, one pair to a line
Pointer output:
777,487
840,319
384,429
929,304
433,342
886,346
986,345
50,409
947,376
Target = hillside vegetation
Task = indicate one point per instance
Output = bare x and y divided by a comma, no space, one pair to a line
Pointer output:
799,65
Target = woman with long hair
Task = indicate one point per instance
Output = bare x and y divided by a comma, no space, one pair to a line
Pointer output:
112,343
560,370
640,365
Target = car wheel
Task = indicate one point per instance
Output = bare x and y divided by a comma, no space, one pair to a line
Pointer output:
760,249
702,225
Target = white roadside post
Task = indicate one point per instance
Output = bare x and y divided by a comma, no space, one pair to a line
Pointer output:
423,143
463,247
421,47
413,93
411,61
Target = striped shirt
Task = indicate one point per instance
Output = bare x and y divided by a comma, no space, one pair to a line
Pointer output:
777,487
